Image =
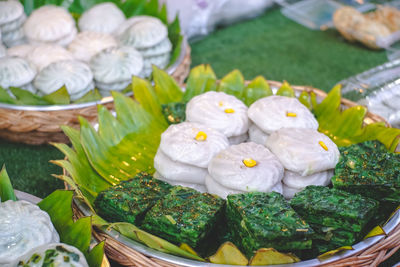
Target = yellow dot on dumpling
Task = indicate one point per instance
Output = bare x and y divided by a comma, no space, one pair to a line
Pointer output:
291,114
249,162
201,136
220,103
322,144
229,110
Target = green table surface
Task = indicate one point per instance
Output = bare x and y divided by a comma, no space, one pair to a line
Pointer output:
270,45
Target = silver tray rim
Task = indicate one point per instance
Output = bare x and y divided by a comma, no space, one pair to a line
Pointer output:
170,70
27,197
360,246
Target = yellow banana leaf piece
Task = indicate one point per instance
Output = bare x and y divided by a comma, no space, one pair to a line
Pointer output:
270,256
228,253
331,253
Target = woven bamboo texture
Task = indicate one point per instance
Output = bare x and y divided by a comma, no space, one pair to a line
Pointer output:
371,256
40,127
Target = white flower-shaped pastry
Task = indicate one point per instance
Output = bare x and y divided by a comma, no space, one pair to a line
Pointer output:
289,192
162,48
3,50
15,37
20,50
274,112
50,24
304,151
178,171
160,61
75,75
256,135
15,72
246,167
235,140
43,55
295,180
116,65
192,143
199,187
219,111
87,44
129,22
64,256
104,18
10,12
23,226
144,33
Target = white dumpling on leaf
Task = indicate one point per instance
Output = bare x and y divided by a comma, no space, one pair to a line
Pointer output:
246,167
257,135
130,21
160,61
289,192
20,50
53,254
274,112
10,11
219,111
213,187
199,187
14,38
144,33
162,48
304,151
295,180
104,18
192,143
87,44
23,227
43,55
15,72
75,75
178,171
13,25
50,24
116,65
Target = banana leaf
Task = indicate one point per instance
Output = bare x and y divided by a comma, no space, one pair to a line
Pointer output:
126,144
6,189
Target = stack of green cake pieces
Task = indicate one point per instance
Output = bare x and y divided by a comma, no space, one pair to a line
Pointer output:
339,218
130,200
185,216
266,220
369,169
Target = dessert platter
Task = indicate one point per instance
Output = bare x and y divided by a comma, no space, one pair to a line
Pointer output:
38,232
58,62
236,172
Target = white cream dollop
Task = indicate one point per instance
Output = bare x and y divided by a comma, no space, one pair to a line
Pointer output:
302,150
219,111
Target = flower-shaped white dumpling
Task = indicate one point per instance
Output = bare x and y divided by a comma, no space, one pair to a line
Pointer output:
64,256
116,65
43,55
23,226
160,61
246,167
160,49
199,187
178,171
235,140
104,17
129,22
15,72
87,44
20,50
3,50
274,112
10,11
304,151
13,25
220,111
75,75
256,135
192,143
295,180
289,192
50,24
15,37
144,33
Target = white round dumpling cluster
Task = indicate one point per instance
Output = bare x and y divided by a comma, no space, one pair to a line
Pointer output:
114,67
243,168
150,37
64,256
51,25
272,113
185,151
307,155
12,18
75,75
102,18
20,50
24,226
16,72
222,112
44,54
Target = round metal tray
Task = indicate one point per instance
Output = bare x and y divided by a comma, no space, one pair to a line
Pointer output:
389,226
28,197
171,69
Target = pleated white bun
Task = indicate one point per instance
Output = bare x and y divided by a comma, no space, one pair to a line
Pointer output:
16,72
43,55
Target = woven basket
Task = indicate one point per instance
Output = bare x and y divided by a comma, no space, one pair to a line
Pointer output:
371,256
37,125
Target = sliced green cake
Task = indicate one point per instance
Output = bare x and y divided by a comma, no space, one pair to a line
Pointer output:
370,170
184,216
266,220
130,200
